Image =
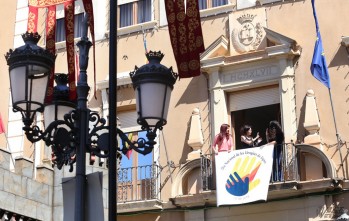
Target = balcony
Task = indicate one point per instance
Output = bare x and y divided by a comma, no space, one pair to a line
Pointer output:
138,188
304,170
138,183
288,174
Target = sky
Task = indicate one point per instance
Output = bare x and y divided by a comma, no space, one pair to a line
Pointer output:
142,160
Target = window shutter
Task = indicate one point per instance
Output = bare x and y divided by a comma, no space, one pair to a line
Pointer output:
128,121
254,98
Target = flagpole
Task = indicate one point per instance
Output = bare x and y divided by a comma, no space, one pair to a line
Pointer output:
337,135
319,70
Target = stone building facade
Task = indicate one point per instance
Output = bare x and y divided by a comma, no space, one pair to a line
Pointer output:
256,68
30,188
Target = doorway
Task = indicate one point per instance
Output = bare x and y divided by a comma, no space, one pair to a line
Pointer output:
258,118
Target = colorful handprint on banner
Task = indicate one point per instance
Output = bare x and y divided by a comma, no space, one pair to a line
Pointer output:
241,179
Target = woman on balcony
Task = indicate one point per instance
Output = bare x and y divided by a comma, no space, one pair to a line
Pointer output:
223,141
275,135
247,139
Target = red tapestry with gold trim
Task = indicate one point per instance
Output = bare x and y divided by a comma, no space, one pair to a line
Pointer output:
51,46
32,25
34,5
186,36
46,3
89,10
69,41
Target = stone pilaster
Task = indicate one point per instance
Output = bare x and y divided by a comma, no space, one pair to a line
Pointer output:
311,121
196,139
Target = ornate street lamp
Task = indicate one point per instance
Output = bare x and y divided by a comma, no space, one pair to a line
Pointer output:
72,129
70,135
29,67
153,84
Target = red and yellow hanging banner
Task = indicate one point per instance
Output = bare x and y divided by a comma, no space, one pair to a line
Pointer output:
46,3
34,5
32,25
185,35
89,10
51,47
69,41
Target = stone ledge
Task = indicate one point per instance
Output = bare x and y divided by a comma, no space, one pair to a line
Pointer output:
139,206
194,200
44,174
5,159
24,166
277,190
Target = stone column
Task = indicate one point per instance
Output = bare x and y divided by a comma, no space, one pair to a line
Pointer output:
218,102
287,100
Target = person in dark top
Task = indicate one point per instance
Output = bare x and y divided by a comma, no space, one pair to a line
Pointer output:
247,139
275,135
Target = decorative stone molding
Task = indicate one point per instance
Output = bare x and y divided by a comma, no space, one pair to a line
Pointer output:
247,33
329,165
345,41
217,10
194,200
139,206
177,187
137,28
311,120
196,139
229,71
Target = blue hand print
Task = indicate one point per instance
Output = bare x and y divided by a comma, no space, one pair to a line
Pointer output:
239,187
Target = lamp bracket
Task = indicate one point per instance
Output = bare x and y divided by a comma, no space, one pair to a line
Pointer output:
62,137
141,145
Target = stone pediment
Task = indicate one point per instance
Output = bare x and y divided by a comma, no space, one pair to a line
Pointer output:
274,39
219,48
276,44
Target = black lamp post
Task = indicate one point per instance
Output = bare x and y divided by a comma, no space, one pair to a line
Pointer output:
72,129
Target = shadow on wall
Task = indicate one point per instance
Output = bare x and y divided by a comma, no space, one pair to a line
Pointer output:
301,132
194,91
339,58
95,102
186,148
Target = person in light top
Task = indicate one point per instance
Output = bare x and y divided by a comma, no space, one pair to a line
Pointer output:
223,141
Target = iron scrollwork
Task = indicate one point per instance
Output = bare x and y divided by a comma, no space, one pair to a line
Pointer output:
141,145
63,138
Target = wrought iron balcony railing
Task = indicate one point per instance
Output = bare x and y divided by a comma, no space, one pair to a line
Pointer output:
138,183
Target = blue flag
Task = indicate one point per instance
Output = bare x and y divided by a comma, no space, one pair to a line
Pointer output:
318,65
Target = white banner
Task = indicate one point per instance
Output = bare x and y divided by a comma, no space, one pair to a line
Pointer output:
243,176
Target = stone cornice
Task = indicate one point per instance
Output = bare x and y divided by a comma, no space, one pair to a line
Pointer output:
277,191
